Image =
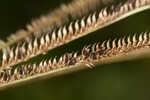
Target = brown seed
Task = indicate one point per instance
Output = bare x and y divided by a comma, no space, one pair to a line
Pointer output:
86,52
71,60
19,53
94,56
6,75
21,70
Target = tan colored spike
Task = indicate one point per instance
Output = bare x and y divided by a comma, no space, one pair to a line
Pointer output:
140,41
11,56
75,55
23,51
93,47
77,29
70,31
45,64
54,66
114,47
60,62
25,71
94,19
141,37
43,67
126,7
143,2
46,68
34,68
103,45
60,37
97,46
89,22
105,12
114,44
16,53
124,44
4,62
53,40
35,46
145,39
131,6
15,75
6,73
129,43
108,45
40,70
42,43
30,49
119,45
64,58
149,36
148,40
101,18
137,3
50,63
64,33
122,10
47,40
134,41
83,22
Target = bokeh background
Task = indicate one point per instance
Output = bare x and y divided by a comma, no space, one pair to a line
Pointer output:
128,80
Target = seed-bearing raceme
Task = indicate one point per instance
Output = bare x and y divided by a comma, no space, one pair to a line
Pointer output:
90,54
55,38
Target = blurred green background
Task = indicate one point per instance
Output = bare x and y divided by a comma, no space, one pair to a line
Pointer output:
128,80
